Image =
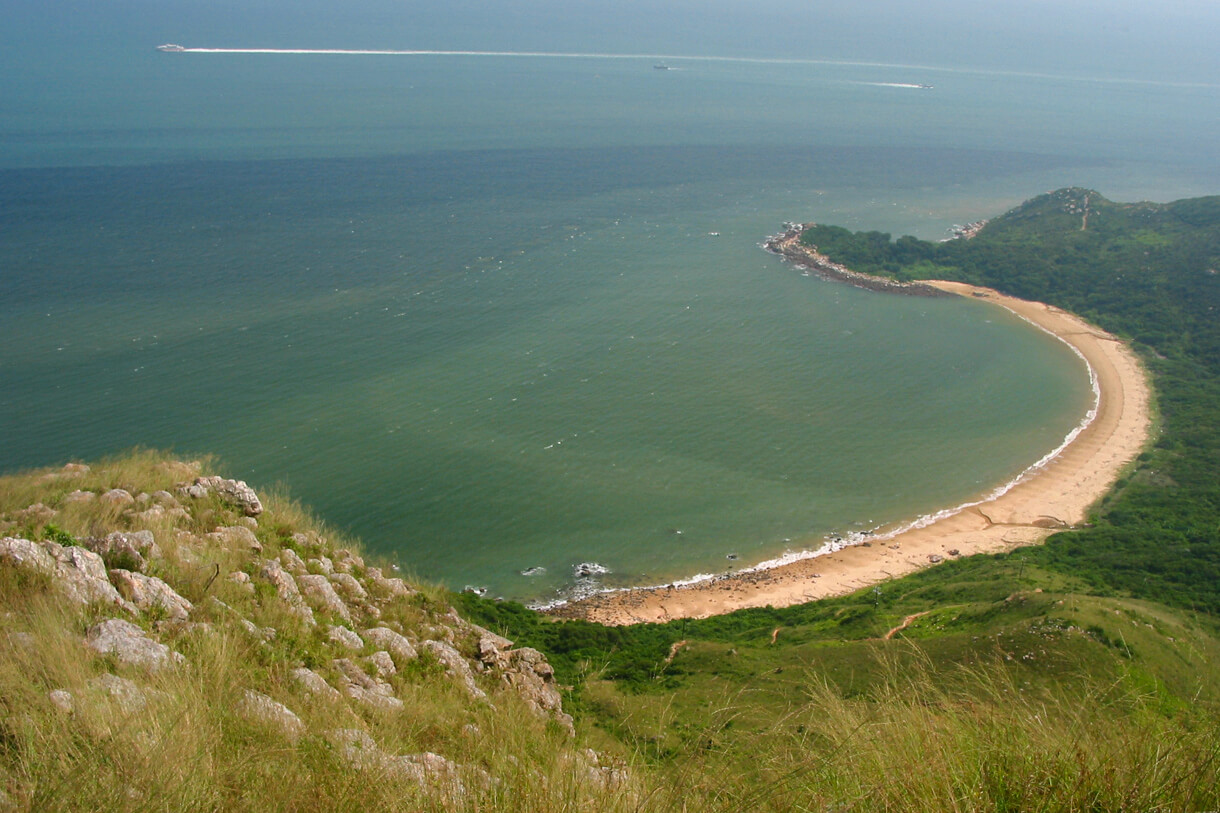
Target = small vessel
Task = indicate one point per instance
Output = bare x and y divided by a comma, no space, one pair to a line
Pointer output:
170,48
660,66
924,87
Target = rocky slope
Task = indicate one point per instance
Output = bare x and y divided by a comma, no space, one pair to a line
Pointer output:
147,572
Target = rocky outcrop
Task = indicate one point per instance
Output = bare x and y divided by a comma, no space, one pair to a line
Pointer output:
149,592
236,536
321,595
456,667
397,645
314,684
129,697
431,771
129,550
233,492
130,645
77,573
286,589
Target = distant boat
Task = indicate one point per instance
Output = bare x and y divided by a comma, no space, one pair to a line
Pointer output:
924,87
170,48
660,66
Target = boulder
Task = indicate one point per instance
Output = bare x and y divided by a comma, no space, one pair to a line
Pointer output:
314,684
78,496
117,497
77,573
130,645
130,550
130,697
363,688
322,596
429,770
236,536
528,673
392,588
259,708
233,492
347,584
291,562
61,700
147,592
398,646
345,637
456,667
286,589
382,664
323,565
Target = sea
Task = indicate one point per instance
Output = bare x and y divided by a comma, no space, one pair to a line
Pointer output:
505,317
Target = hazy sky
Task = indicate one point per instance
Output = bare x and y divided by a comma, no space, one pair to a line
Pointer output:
1168,39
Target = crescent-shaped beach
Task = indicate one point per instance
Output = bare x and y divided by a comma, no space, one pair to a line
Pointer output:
1049,497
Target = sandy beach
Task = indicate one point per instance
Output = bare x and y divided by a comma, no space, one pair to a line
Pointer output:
1046,499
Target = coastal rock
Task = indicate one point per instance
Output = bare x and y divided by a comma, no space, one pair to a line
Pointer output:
129,551
398,646
455,666
286,589
77,573
363,688
322,596
233,492
242,580
130,645
346,561
78,496
258,708
322,565
36,514
147,592
314,684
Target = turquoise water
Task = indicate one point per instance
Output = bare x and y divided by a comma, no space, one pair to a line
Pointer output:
495,313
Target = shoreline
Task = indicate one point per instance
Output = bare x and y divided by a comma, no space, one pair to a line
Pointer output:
1053,494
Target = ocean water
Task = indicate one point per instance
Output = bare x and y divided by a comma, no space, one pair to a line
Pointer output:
493,313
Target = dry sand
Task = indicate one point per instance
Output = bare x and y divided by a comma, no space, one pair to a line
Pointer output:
1050,498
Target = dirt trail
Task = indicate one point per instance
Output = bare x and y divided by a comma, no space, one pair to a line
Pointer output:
906,622
673,650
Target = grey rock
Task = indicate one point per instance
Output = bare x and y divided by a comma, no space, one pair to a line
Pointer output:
388,639
130,645
456,667
78,496
77,573
529,674
286,589
262,633
147,592
322,596
131,550
259,708
165,498
236,536
62,700
394,588
117,497
130,697
382,663
292,562
314,684
429,770
346,561
347,584
242,580
322,564
345,637
234,492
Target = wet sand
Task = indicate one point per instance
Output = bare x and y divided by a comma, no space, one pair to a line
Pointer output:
1053,497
